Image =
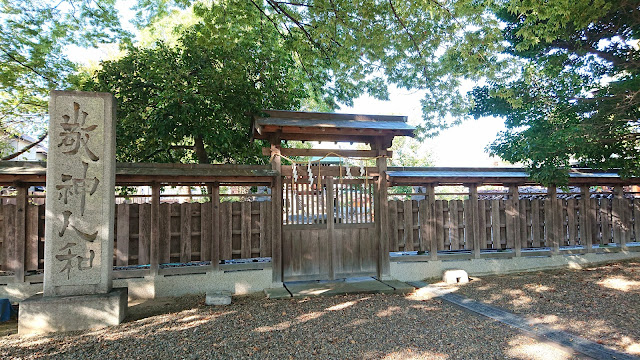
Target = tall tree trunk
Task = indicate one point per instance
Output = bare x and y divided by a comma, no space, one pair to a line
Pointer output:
201,153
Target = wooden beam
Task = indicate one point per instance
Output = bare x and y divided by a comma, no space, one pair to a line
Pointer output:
215,225
325,152
586,226
20,232
474,233
553,228
382,217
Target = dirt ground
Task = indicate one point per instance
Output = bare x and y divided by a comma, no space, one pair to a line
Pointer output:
599,303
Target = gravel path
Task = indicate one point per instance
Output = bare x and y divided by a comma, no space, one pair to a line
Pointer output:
600,303
353,326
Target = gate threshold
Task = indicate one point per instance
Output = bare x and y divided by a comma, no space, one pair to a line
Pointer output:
359,285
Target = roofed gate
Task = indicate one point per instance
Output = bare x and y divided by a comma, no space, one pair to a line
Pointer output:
331,206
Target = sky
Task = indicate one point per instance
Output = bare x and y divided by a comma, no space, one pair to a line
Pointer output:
460,146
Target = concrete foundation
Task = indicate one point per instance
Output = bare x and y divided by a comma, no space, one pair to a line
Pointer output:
420,270
39,315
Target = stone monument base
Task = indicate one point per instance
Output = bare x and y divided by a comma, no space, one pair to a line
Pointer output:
39,315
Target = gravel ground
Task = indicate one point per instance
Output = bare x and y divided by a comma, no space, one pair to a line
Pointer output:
353,326
599,303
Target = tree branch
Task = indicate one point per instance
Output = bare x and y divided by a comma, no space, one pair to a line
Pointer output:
26,148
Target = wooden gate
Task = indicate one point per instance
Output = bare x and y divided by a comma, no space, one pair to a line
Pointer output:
328,229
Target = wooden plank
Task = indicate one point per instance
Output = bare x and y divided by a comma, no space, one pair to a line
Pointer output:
619,222
31,256
205,230
636,219
432,239
310,264
20,232
453,225
383,199
593,217
473,221
122,241
215,226
296,252
440,224
276,211
605,221
264,250
423,223
245,237
154,249
482,223
495,224
571,222
524,224
536,234
393,225
331,244
324,152
514,197
225,231
408,225
8,243
165,233
586,232
144,233
556,225
185,232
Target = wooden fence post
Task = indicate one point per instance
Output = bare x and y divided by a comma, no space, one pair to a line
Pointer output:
215,226
276,213
514,199
586,226
154,251
474,212
383,216
431,221
20,237
620,223
553,229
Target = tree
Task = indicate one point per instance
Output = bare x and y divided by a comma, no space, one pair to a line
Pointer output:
35,38
577,98
194,101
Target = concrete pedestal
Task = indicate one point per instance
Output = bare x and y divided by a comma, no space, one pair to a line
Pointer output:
39,315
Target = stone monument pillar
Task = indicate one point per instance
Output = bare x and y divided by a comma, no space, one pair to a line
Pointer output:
80,203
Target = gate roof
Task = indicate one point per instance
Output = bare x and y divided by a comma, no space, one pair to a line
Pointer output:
314,126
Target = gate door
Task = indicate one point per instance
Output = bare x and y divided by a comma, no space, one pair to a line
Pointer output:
328,229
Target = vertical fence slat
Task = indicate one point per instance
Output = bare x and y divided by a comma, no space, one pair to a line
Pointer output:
122,241
636,219
245,230
225,231
205,229
495,224
154,249
439,216
9,216
144,229
32,238
165,233
605,221
522,218
408,225
20,232
393,225
586,229
482,225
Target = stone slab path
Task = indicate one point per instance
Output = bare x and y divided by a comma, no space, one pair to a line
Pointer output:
561,338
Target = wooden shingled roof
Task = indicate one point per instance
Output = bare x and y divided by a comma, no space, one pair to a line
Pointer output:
314,126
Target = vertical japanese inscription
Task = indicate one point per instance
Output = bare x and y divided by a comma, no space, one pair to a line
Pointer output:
80,179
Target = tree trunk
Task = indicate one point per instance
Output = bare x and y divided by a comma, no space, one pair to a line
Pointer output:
201,153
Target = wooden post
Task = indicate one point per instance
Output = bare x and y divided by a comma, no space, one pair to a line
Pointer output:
330,226
553,229
382,218
586,226
122,234
514,199
474,233
154,250
431,219
276,213
18,262
215,226
620,223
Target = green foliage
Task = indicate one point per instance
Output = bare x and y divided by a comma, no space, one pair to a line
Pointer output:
35,37
194,102
577,98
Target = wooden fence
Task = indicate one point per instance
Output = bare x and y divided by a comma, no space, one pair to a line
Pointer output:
185,233
502,223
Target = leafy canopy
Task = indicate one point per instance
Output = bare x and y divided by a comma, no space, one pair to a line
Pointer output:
576,98
193,102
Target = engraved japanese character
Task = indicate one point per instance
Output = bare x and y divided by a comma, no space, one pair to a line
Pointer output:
78,186
69,257
67,222
75,134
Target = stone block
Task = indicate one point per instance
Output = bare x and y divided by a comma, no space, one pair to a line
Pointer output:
218,298
40,315
455,277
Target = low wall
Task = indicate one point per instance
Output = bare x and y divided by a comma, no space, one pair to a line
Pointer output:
420,270
239,280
